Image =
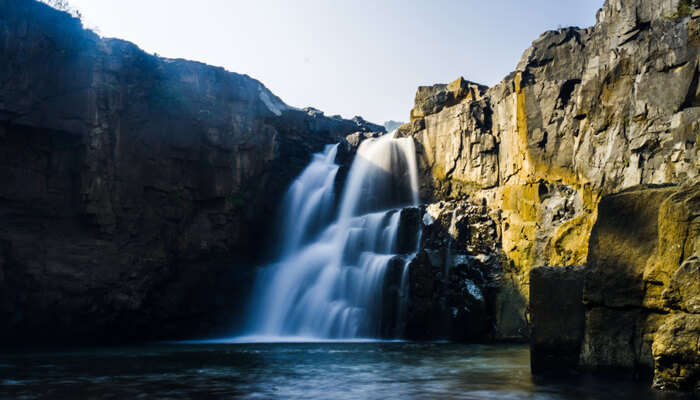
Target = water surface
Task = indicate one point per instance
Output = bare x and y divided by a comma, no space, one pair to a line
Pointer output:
361,370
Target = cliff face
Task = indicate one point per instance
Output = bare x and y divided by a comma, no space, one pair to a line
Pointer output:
642,286
135,189
588,112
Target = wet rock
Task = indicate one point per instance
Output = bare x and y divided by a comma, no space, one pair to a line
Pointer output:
393,299
409,230
420,317
452,278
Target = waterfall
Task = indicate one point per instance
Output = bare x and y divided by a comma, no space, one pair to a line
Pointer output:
329,278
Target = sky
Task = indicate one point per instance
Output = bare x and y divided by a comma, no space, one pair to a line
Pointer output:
348,57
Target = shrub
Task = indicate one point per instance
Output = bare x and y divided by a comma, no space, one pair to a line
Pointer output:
64,5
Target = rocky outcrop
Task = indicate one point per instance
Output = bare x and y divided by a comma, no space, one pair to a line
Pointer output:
433,99
641,286
588,112
128,179
633,309
452,278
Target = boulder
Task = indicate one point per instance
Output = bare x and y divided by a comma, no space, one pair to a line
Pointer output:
431,99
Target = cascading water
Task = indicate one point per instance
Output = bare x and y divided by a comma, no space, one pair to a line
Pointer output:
329,278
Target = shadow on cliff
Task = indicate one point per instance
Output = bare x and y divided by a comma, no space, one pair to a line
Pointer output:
136,190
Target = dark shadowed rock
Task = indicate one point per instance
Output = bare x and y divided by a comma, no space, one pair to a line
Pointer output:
409,230
641,286
453,278
392,324
556,319
135,191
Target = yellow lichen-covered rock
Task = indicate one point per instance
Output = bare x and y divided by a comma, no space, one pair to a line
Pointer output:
678,237
676,352
587,113
683,291
642,285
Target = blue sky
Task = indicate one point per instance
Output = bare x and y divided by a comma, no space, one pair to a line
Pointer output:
345,57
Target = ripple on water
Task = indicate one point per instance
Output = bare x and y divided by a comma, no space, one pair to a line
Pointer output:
296,370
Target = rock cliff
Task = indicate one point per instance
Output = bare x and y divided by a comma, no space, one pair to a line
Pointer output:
557,151
135,189
633,309
587,112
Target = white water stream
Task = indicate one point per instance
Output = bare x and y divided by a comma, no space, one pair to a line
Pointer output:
328,281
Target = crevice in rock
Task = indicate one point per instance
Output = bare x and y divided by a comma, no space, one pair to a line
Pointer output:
543,143
692,99
541,63
634,33
567,89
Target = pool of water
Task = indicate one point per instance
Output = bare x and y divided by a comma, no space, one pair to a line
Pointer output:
362,370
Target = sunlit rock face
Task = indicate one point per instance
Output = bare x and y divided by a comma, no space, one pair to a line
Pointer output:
587,112
135,189
642,286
